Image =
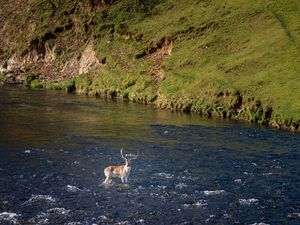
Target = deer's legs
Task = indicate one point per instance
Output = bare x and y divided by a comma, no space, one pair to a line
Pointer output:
107,179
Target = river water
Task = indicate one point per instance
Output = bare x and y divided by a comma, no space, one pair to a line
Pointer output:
55,146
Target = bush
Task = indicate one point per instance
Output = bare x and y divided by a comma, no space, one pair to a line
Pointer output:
36,84
29,78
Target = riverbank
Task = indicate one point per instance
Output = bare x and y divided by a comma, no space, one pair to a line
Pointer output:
228,105
230,60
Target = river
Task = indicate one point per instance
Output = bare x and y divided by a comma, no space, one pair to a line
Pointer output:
54,147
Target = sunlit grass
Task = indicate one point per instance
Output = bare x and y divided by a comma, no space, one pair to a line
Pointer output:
221,50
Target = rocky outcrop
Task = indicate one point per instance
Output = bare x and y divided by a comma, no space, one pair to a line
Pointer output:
88,60
157,53
42,59
11,65
12,71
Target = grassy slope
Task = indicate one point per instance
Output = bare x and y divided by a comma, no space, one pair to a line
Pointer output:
233,58
251,48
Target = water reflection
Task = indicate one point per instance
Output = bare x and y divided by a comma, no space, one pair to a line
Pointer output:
54,148
42,116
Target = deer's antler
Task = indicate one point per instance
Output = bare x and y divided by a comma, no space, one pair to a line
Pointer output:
122,154
137,155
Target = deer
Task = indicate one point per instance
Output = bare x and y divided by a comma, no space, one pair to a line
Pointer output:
119,171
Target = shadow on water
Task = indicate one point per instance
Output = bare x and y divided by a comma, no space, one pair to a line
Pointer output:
54,148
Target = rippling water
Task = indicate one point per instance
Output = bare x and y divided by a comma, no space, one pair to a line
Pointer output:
54,147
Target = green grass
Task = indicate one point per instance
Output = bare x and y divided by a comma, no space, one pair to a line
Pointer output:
256,56
223,51
67,86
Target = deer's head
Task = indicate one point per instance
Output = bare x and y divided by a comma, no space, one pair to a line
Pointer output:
127,160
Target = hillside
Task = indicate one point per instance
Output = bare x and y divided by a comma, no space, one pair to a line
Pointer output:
231,59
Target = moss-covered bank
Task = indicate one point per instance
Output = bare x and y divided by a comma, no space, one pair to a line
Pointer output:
230,59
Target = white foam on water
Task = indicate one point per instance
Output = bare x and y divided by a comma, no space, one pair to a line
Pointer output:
131,155
39,198
216,192
40,219
61,211
9,217
34,150
259,224
74,223
71,188
141,221
34,175
226,215
103,217
210,217
294,215
185,175
248,202
238,181
267,174
162,187
181,185
154,194
122,223
186,171
200,203
165,175
44,217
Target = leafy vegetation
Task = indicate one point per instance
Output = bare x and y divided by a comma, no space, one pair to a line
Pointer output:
68,86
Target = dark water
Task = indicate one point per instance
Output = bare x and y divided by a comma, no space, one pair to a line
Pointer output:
54,147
